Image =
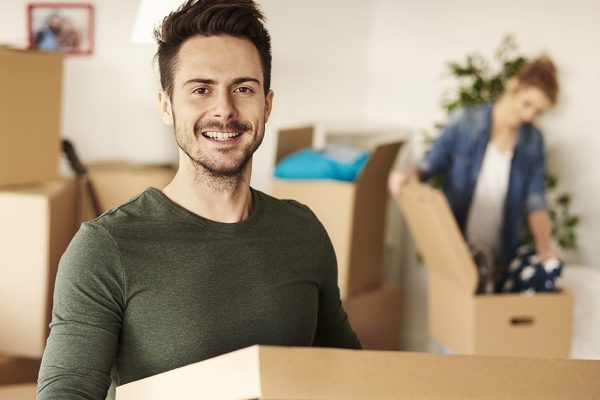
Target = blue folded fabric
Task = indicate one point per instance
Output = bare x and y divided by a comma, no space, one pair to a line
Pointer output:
339,162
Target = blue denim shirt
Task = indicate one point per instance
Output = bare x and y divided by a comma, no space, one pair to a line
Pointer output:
459,152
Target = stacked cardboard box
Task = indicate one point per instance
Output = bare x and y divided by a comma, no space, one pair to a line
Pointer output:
38,222
30,105
37,209
262,372
508,324
353,213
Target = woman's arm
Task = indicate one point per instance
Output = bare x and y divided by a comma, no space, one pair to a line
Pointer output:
540,226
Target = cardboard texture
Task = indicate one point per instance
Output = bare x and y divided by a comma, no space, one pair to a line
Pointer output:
18,370
262,372
18,392
353,213
531,325
30,107
38,222
117,182
375,317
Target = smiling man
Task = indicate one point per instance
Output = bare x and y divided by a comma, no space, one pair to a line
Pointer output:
208,265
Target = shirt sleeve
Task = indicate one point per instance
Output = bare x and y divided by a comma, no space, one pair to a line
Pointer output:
439,157
333,326
536,190
86,319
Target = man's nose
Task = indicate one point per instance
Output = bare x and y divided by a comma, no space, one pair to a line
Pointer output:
224,107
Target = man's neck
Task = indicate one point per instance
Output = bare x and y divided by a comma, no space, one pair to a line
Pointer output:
219,201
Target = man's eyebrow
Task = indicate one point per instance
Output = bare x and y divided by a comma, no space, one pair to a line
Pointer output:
236,81
200,80
244,79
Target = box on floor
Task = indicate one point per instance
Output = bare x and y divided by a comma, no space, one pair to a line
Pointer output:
30,105
38,222
263,372
507,324
114,183
375,317
353,213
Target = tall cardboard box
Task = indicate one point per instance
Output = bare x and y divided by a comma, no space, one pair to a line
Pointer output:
375,317
30,104
263,372
507,324
114,183
353,213
38,222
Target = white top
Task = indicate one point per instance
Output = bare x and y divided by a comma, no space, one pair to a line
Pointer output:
484,223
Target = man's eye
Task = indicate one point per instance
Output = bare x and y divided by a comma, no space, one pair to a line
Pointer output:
244,90
200,91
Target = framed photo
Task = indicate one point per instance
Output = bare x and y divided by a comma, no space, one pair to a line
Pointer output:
66,27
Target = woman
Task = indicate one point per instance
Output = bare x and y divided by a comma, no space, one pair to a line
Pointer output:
494,165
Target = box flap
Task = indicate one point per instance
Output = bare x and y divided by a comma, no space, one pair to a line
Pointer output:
292,140
437,235
317,373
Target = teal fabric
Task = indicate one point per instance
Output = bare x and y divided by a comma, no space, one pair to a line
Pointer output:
324,164
150,286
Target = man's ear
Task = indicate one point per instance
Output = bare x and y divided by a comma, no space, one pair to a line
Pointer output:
165,108
268,104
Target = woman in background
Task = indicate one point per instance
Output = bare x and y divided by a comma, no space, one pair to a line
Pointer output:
494,165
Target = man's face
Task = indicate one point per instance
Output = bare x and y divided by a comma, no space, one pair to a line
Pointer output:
218,106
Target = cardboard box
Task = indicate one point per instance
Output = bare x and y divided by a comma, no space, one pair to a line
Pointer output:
30,109
500,324
262,372
117,182
375,317
38,222
18,392
353,213
18,370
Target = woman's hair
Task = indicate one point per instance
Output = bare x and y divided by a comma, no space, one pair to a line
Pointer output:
539,73
240,18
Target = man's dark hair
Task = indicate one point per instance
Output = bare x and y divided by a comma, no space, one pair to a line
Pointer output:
240,18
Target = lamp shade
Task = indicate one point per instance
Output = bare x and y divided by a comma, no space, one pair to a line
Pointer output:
149,15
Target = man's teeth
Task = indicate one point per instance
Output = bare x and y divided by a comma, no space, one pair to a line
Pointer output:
222,135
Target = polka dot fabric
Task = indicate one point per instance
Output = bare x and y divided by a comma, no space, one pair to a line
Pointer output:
527,274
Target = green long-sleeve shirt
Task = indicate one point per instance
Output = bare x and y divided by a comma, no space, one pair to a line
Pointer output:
151,286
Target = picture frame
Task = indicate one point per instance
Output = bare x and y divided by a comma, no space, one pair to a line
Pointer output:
64,27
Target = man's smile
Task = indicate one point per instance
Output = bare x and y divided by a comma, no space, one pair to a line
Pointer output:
221,136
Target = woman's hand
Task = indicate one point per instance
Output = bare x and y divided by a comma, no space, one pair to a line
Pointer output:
397,179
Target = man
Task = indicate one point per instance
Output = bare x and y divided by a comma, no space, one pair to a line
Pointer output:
208,265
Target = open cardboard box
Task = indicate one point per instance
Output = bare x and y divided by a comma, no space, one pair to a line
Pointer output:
375,317
353,213
114,183
38,222
531,325
263,372
30,105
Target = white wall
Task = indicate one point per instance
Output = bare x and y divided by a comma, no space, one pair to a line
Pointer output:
109,98
411,43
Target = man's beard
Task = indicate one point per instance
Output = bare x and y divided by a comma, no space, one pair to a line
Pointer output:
219,177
